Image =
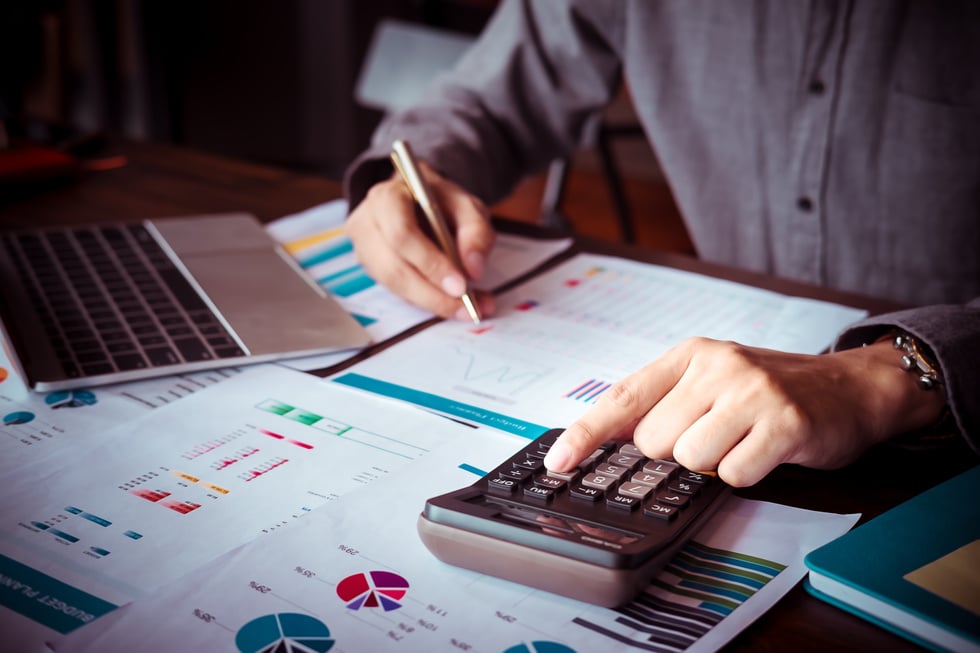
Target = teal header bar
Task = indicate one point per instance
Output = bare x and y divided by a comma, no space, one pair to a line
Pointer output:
467,412
47,600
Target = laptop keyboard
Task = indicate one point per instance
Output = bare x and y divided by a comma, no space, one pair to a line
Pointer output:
111,300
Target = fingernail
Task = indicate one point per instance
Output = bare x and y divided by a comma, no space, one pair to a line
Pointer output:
475,263
558,457
463,315
454,285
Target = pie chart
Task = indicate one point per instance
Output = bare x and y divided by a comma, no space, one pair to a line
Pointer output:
540,647
286,632
19,417
71,399
375,589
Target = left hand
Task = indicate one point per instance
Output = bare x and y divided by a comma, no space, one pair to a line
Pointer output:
744,410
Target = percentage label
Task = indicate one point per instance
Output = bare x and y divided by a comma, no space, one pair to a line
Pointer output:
264,589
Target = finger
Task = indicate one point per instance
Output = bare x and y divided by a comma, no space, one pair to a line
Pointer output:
756,454
475,235
388,244
705,443
618,409
658,431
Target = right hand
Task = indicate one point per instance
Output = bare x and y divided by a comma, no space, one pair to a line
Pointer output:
394,250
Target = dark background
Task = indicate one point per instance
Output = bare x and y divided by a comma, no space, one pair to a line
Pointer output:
262,80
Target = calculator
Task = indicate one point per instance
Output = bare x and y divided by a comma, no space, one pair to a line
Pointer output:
597,534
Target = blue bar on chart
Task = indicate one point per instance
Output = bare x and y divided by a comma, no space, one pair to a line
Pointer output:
347,282
588,391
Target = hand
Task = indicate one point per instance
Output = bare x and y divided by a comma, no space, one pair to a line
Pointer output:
743,410
394,250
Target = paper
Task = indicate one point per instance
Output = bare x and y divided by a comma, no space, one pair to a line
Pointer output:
45,426
317,239
170,490
354,576
560,340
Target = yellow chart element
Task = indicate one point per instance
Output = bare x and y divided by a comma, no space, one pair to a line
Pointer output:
298,245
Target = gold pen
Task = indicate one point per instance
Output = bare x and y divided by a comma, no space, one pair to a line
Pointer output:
401,156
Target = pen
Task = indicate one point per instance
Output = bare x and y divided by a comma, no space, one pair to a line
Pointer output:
404,161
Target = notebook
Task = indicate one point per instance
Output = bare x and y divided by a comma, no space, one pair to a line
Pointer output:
914,570
97,304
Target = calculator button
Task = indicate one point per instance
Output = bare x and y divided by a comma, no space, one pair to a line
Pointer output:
635,490
545,480
661,467
684,487
591,459
606,469
568,476
585,492
695,477
599,481
660,511
515,474
505,485
673,499
625,460
631,450
622,503
651,480
538,492
528,462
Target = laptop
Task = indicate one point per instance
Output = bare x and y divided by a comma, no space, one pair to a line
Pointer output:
97,304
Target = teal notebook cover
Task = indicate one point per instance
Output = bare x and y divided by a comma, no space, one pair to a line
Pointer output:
914,569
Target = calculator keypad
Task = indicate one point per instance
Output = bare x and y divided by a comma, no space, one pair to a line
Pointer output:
616,475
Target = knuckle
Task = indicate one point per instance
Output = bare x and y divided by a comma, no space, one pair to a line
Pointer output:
622,394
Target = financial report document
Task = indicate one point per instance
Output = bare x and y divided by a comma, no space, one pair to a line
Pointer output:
563,338
317,239
171,489
354,576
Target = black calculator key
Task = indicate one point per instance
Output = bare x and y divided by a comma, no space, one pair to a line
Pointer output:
505,485
621,502
587,493
675,499
549,481
538,492
695,477
684,487
515,474
660,511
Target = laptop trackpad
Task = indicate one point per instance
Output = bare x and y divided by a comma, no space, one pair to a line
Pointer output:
271,308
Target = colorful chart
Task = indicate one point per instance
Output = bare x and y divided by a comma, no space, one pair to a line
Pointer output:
286,632
71,399
19,417
540,647
3,374
375,589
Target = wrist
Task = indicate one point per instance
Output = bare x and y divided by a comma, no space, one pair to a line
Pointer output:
912,394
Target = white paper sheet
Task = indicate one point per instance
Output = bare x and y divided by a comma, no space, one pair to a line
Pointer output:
321,575
170,490
50,425
564,337
316,238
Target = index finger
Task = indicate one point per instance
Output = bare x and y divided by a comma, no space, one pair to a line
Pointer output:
616,412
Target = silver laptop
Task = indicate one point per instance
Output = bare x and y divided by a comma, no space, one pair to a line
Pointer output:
83,306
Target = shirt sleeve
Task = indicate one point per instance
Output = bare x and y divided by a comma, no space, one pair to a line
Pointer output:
952,333
520,97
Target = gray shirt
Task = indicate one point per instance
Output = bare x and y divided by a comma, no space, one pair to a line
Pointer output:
832,142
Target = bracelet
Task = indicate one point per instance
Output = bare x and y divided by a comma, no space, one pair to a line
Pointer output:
914,360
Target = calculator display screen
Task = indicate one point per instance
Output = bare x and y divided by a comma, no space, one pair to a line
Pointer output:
562,526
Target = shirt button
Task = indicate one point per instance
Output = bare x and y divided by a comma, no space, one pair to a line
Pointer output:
817,87
804,204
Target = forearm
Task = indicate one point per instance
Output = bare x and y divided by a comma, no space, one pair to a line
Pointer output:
519,98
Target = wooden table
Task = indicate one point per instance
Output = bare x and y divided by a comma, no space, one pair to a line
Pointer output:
159,180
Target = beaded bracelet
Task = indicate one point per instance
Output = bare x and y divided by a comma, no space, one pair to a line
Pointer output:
913,360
